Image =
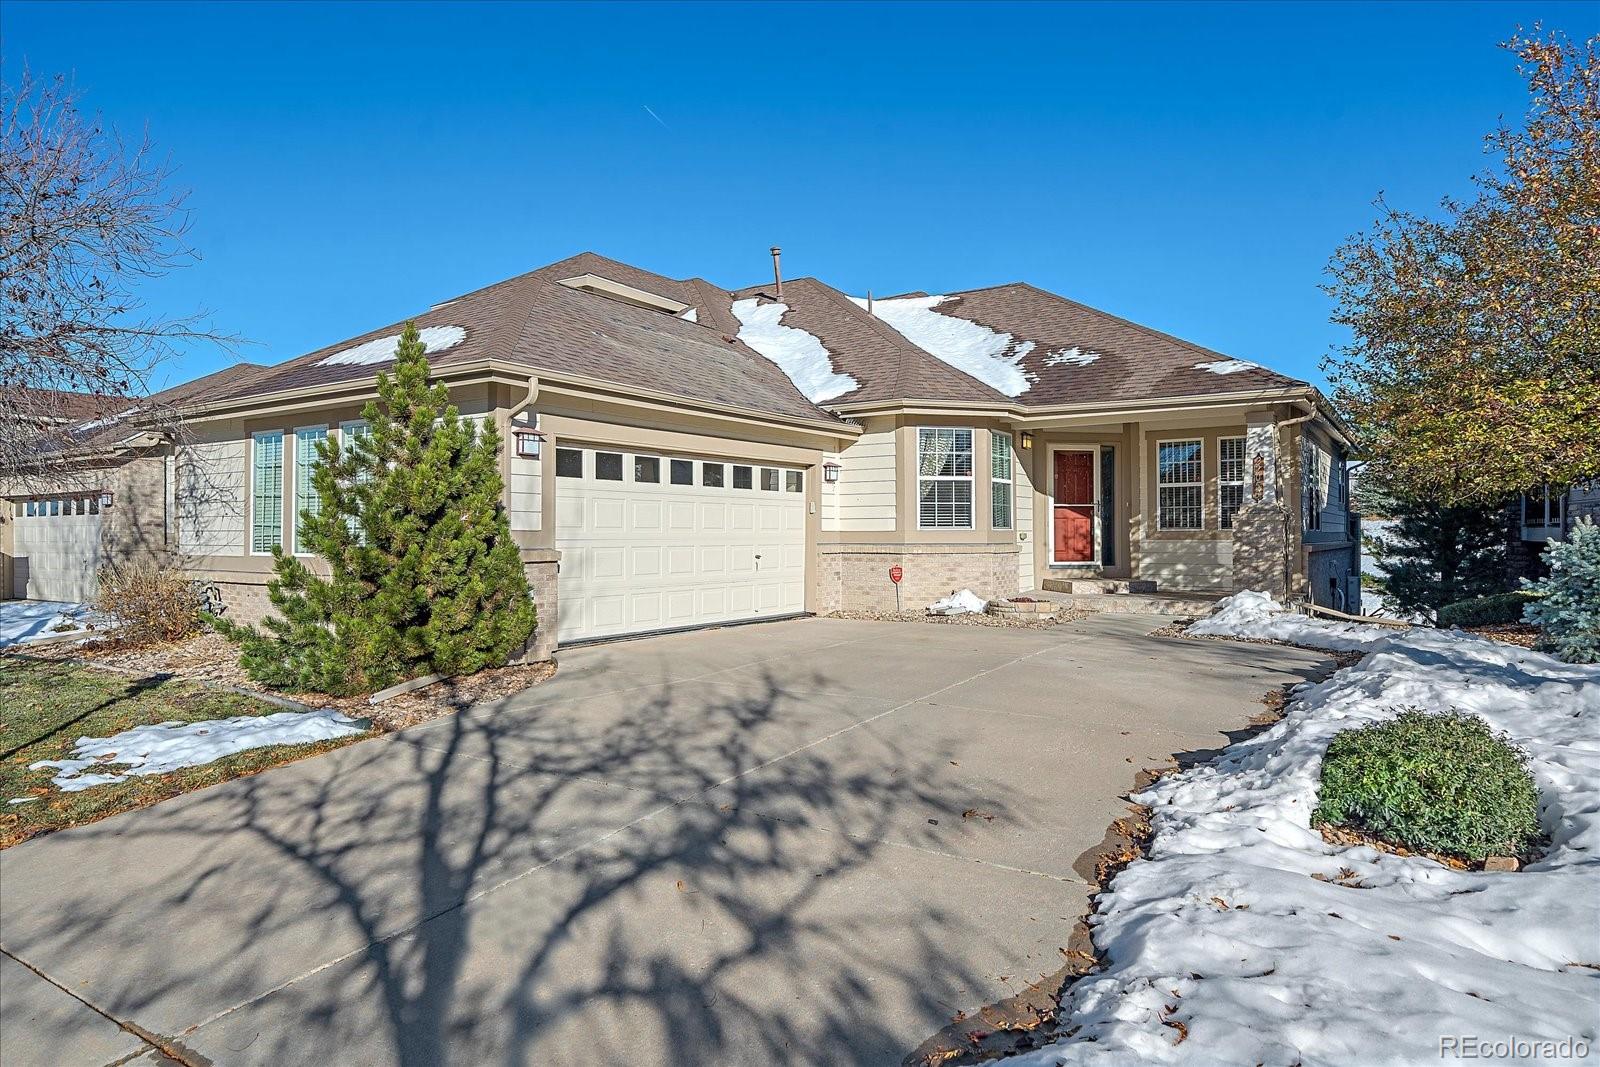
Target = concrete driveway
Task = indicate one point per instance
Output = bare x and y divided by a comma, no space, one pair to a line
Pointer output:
727,847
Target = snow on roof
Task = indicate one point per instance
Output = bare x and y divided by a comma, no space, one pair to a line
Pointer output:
797,353
1074,355
995,359
692,315
1227,366
434,339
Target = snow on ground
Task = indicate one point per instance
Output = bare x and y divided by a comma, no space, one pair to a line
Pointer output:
1074,355
1227,366
966,602
992,358
1224,930
799,354
434,339
170,746
34,620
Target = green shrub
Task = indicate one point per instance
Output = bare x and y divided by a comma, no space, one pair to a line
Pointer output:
1501,609
1435,783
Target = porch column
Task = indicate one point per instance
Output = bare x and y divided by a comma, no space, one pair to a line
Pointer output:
1260,527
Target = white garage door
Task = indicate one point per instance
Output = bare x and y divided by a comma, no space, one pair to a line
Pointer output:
658,542
57,547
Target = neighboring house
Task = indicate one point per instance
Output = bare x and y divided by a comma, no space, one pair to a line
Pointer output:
107,497
1543,515
680,455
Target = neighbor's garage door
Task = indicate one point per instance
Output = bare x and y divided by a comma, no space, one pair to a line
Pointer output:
57,548
654,542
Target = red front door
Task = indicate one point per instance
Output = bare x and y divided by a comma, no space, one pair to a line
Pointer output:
1073,518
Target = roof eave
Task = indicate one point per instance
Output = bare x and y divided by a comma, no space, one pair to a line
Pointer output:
501,371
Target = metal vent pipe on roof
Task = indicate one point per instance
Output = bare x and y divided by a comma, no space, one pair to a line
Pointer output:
777,274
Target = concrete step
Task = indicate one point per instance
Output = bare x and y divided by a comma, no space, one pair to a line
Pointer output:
1103,586
1141,603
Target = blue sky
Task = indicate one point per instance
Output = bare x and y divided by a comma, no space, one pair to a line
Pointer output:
1189,166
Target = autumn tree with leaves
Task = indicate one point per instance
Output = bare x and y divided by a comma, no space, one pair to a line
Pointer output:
1474,368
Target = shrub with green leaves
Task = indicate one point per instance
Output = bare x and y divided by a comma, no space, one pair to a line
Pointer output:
1501,609
1435,783
1568,609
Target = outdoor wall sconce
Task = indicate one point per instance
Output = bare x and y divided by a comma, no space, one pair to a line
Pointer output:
1027,440
830,472
528,443
105,500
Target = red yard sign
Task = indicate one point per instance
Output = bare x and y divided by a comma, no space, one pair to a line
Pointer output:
895,574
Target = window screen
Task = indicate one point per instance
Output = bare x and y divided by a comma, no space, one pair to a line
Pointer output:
944,478
266,492
1180,500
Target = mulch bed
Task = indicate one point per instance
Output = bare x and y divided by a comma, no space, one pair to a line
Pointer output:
213,659
1517,633
1026,619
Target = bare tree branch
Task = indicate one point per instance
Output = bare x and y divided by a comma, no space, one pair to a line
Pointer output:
85,219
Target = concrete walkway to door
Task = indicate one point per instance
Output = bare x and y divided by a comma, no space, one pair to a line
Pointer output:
802,842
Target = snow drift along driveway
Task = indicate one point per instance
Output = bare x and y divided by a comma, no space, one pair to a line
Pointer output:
1222,947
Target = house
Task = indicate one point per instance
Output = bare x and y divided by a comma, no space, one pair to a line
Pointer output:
1540,516
680,455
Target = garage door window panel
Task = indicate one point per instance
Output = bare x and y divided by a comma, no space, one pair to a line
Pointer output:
743,477
711,475
682,472
647,469
569,463
608,466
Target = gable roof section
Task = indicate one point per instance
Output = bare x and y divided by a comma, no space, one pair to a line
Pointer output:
1082,355
535,321
885,365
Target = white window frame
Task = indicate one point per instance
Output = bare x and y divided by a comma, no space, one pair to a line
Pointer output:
250,525
1200,453
294,512
1009,481
970,477
1224,519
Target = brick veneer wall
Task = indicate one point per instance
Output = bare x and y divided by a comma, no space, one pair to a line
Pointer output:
245,601
856,577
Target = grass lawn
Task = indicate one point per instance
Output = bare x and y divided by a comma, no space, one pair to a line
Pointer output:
46,706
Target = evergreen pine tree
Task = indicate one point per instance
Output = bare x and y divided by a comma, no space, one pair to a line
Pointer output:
424,575
1433,554
1568,608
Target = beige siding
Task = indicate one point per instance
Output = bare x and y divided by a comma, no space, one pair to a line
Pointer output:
1185,564
524,477
865,493
210,498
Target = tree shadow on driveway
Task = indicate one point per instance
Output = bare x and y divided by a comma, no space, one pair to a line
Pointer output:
596,881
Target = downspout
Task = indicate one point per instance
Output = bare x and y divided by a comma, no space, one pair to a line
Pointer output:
505,433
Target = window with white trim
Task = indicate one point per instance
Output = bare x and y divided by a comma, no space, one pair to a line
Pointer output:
1311,484
944,478
1230,478
1180,488
306,442
349,434
266,491
1000,482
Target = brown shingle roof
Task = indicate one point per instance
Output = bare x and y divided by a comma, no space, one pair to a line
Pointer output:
535,321
1135,361
885,365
